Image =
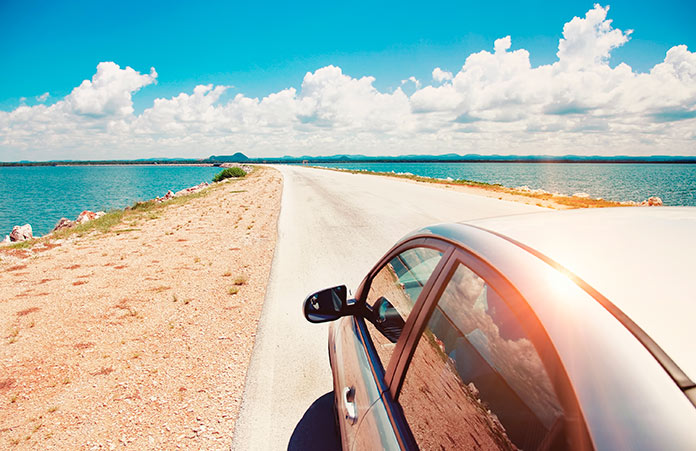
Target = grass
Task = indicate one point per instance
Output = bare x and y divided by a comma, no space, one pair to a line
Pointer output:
233,290
23,244
234,172
240,280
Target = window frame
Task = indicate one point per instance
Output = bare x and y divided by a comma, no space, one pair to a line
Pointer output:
577,428
363,290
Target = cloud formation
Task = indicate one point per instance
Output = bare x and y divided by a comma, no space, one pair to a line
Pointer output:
496,103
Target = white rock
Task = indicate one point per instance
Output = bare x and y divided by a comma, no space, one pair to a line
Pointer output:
63,223
652,201
21,233
85,216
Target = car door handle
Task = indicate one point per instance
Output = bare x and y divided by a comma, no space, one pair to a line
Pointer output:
349,404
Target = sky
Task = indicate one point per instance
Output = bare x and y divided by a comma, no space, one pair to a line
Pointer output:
84,80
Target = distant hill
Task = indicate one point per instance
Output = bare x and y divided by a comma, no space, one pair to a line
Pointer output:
238,157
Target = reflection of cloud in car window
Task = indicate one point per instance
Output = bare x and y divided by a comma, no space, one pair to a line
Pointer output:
475,309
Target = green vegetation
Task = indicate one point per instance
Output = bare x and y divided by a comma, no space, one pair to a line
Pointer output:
234,172
22,244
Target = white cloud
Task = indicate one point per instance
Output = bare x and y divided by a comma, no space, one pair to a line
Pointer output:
412,80
496,103
440,75
589,41
42,98
109,92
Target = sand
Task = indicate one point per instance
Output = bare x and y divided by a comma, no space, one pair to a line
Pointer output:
138,338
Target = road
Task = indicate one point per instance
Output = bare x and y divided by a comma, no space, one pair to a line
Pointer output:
332,228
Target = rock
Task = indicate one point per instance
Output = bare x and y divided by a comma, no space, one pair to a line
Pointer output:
652,201
21,233
244,167
474,391
63,223
85,216
581,195
191,189
6,240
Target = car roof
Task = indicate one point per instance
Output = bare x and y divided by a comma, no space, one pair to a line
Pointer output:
642,259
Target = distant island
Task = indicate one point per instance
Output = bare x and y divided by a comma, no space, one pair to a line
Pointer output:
307,159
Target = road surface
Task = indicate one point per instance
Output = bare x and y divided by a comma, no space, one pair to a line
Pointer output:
332,228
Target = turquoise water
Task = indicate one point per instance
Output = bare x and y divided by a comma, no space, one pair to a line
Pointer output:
675,184
42,195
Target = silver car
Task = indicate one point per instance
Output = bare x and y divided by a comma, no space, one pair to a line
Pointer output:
558,330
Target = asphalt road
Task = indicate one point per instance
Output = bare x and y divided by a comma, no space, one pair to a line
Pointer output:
332,228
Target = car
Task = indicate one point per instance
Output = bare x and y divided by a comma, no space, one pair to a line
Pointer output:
552,330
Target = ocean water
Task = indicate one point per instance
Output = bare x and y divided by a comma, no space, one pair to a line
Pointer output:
675,184
41,195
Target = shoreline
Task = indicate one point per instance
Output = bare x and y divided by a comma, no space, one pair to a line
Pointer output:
136,329
88,215
524,194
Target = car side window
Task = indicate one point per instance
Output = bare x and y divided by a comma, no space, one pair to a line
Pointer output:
393,293
476,380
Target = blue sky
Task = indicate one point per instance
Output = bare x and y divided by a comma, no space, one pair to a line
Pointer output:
260,49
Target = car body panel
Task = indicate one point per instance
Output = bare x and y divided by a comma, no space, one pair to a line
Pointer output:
351,369
627,398
604,361
641,271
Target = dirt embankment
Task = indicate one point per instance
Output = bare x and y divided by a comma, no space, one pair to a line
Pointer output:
137,334
524,195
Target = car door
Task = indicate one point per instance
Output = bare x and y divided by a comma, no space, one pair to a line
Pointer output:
477,371
362,351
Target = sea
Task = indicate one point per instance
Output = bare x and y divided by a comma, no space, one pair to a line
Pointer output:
675,184
41,195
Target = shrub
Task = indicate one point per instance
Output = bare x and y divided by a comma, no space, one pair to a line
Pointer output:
229,173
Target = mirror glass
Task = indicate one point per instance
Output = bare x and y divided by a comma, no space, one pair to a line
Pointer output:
326,305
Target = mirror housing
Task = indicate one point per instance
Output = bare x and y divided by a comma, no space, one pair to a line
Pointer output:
327,305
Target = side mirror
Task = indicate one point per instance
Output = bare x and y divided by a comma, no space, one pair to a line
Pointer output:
327,305
387,319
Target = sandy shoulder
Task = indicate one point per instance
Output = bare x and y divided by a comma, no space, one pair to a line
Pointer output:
528,196
133,339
